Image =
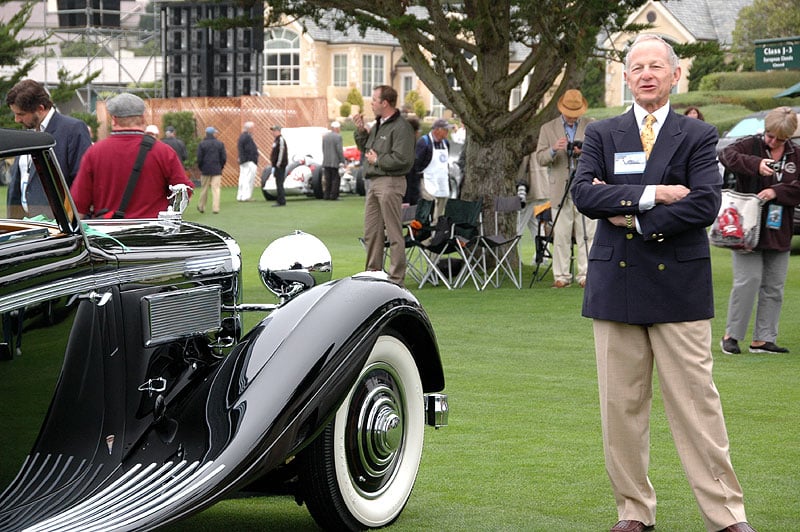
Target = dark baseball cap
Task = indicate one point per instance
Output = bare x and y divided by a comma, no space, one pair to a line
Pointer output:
442,123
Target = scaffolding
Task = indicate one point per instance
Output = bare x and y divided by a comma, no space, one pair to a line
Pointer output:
108,30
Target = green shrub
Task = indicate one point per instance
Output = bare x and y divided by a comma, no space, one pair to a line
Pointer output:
732,81
354,98
185,129
419,108
345,109
90,120
414,100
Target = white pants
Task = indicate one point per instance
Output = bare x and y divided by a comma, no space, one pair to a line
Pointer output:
247,178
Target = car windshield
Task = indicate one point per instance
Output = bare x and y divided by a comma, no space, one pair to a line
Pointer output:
748,126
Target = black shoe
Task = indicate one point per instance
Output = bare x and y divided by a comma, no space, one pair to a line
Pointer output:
279,205
768,347
730,346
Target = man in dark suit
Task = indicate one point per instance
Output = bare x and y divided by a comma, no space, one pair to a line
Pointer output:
649,291
32,107
332,160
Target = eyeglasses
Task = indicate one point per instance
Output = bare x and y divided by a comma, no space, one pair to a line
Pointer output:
770,136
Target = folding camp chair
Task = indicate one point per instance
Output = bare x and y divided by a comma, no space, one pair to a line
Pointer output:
502,248
544,237
418,229
452,255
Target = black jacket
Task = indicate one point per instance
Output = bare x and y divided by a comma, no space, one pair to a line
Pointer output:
211,156
248,151
279,157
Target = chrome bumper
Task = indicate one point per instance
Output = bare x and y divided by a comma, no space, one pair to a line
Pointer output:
436,409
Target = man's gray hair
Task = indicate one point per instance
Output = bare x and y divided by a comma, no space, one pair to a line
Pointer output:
248,126
644,37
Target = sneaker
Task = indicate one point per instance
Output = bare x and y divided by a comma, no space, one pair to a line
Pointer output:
730,346
768,347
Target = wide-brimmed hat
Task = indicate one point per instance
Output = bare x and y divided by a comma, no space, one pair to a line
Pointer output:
572,104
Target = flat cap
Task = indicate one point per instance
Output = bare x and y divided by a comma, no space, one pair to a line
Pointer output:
169,129
276,128
125,104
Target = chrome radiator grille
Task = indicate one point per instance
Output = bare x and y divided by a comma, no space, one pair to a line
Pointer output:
181,314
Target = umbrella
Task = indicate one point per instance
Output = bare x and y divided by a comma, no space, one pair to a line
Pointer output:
791,92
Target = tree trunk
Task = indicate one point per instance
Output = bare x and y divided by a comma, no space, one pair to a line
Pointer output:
491,171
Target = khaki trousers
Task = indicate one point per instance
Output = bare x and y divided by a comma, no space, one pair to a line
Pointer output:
570,222
682,355
382,221
439,203
215,182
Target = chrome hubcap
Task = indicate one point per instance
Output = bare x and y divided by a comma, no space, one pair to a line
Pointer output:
376,428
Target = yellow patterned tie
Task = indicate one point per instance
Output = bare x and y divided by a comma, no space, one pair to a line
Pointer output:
648,135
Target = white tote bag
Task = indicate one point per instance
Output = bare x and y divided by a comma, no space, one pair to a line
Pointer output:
738,222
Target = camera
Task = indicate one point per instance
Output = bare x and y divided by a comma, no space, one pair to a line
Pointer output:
522,192
775,165
574,144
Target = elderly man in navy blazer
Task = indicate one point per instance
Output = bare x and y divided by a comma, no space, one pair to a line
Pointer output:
649,292
33,108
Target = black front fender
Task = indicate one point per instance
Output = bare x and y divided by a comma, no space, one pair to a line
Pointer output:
288,376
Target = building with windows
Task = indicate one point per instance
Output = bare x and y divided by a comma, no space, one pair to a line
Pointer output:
296,59
201,61
677,21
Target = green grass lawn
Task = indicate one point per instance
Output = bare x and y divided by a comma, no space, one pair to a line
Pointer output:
523,450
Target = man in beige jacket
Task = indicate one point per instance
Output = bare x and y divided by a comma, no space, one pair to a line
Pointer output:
558,150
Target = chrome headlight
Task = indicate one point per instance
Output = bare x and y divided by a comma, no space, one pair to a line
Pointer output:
294,263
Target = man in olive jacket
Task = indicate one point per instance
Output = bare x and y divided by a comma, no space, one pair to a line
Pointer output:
389,154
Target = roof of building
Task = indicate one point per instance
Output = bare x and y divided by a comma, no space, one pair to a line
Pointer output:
707,20
352,35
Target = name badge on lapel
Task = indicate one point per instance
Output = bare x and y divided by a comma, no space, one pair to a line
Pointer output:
629,162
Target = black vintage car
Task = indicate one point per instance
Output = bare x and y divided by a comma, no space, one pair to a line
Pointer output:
125,337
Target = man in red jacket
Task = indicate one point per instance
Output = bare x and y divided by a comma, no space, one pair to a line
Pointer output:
107,165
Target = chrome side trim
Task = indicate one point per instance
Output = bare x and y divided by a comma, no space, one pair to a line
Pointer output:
139,493
189,269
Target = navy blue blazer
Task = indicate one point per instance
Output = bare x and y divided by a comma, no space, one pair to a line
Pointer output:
72,140
664,274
